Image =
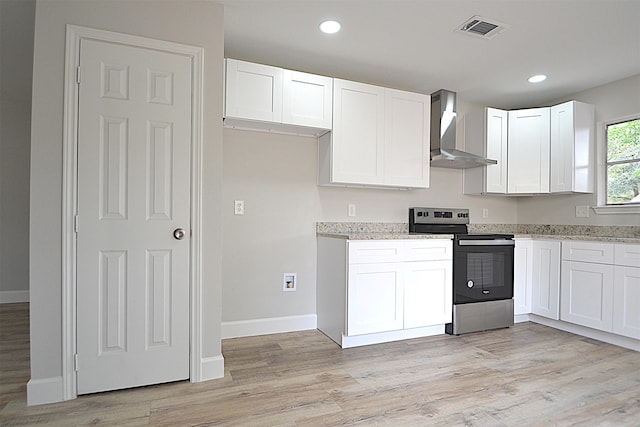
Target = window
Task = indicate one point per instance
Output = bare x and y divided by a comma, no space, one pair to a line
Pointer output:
623,163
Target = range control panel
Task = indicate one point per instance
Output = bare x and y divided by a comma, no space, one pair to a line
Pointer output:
439,216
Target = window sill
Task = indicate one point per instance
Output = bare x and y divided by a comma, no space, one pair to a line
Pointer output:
618,209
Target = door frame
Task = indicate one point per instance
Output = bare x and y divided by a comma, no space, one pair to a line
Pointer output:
74,34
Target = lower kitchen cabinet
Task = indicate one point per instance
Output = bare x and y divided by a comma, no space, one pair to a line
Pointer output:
372,291
375,298
601,286
626,301
523,276
587,294
545,270
428,293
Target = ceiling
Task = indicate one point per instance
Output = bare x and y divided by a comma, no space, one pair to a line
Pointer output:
412,44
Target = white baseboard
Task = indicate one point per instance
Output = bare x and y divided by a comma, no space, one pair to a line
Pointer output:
46,390
619,340
271,325
9,297
211,368
382,337
519,318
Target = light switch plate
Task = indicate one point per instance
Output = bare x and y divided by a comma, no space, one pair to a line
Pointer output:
582,211
351,209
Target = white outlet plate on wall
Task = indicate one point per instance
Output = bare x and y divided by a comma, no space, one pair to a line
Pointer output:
238,207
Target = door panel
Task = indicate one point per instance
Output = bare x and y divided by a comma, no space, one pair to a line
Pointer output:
134,150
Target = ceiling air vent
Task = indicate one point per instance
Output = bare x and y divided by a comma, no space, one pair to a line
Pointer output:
482,27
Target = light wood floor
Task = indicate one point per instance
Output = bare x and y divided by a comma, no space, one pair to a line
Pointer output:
525,375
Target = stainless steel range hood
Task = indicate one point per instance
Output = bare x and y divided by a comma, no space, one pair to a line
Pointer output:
443,135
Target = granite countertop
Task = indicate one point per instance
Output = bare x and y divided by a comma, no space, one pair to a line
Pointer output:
389,231
383,236
612,239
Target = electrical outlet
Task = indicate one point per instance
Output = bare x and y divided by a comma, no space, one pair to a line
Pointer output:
351,209
485,213
289,282
238,207
582,211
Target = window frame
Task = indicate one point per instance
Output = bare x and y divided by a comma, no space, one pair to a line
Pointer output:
601,185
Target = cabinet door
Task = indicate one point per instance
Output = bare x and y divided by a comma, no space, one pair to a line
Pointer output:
627,254
587,294
523,276
562,137
572,140
428,293
528,155
374,298
253,91
626,302
428,249
406,143
307,99
496,140
546,279
358,133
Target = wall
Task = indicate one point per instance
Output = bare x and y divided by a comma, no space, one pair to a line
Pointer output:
276,177
17,19
199,24
612,101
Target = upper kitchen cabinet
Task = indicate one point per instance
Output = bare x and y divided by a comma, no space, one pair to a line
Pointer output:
307,100
262,97
529,149
572,140
539,150
380,138
485,134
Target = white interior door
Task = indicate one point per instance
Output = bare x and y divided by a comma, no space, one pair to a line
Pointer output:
134,139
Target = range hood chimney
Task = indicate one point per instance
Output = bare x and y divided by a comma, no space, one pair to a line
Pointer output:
443,135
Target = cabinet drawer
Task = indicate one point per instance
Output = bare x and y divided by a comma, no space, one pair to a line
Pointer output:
601,253
627,255
429,250
366,251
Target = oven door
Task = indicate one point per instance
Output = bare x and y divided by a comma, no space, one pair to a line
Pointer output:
482,269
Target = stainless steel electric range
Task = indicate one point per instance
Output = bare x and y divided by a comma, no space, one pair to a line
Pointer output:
482,270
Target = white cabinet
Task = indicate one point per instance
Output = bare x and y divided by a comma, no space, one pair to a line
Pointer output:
406,139
587,294
485,134
539,150
307,100
626,290
381,290
427,293
601,286
546,278
572,154
626,301
355,147
375,298
253,91
523,276
380,138
529,151
262,97
398,284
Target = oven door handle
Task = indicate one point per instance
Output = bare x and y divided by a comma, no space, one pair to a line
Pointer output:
496,242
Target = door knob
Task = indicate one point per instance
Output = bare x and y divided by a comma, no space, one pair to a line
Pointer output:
179,234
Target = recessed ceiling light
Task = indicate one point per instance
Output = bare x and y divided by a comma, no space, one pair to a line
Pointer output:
330,27
537,78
